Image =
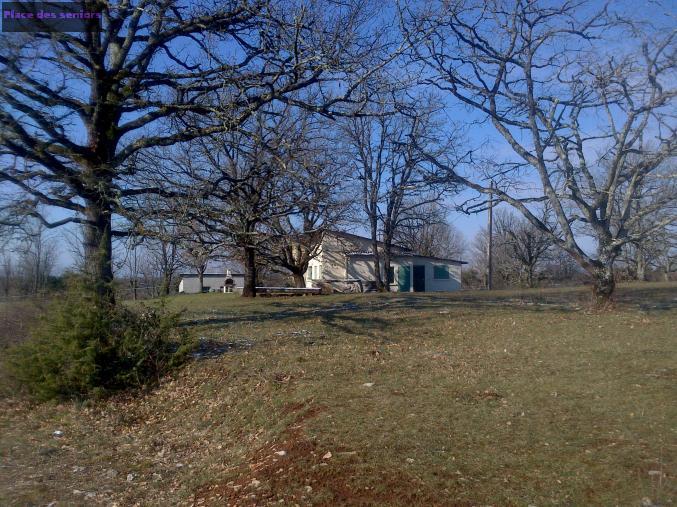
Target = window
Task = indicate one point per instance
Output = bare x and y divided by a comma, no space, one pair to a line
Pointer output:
441,272
391,274
314,272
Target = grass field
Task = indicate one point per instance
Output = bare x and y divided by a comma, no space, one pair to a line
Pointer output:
502,398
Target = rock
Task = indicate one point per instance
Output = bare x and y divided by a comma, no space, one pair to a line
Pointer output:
410,460
281,453
57,433
130,477
309,489
327,456
368,384
646,502
90,495
111,473
77,469
51,504
255,483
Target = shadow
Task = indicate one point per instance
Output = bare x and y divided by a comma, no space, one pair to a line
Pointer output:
208,348
362,313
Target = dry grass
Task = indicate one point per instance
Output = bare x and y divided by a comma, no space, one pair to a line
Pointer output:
508,398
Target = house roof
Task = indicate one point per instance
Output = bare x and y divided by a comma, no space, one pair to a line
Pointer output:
350,235
408,255
407,252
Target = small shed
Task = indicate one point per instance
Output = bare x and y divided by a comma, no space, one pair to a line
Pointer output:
211,282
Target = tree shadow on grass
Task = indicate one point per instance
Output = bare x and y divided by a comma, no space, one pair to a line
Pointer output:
364,312
368,314
207,348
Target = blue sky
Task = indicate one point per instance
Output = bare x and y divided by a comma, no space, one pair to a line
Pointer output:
477,135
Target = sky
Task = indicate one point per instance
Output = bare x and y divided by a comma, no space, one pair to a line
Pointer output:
478,135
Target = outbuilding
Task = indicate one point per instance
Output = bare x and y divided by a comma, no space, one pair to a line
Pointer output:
211,282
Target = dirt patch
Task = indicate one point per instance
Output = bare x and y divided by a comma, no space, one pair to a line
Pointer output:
299,470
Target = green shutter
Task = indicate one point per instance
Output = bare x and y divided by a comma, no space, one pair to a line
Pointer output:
441,272
403,274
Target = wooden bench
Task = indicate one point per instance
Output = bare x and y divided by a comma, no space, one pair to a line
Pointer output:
287,291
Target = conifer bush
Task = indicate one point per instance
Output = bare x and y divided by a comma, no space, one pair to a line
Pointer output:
81,349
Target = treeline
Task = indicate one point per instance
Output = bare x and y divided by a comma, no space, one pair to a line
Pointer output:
523,256
28,258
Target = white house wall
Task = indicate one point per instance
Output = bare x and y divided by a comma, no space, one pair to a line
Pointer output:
335,264
431,284
191,284
361,268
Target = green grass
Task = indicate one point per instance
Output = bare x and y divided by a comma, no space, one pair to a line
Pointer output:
502,398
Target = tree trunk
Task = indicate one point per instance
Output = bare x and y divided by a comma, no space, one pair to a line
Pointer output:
249,290
201,281
386,268
603,285
530,276
299,280
99,252
164,286
640,273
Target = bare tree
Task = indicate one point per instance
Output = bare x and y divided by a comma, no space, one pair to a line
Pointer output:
6,273
132,262
319,202
560,267
6,260
426,231
162,248
395,180
644,252
239,183
505,267
36,257
197,252
527,245
666,259
571,105
77,109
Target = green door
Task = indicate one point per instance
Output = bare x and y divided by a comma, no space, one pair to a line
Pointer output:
403,281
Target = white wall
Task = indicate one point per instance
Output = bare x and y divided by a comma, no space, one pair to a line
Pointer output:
191,284
431,284
362,268
336,265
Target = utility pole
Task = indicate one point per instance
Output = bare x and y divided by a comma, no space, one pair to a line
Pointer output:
490,246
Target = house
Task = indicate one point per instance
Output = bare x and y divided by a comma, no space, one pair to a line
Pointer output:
211,282
345,261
